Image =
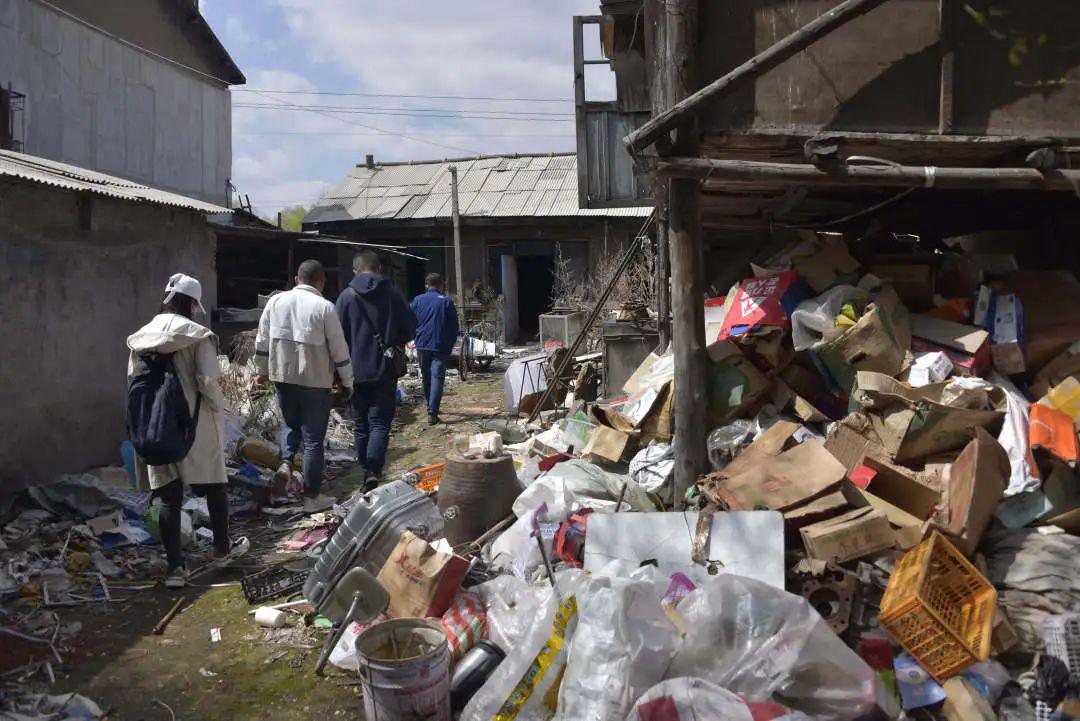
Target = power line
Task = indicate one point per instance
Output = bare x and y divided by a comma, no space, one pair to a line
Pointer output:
440,135
448,116
407,109
395,95
381,131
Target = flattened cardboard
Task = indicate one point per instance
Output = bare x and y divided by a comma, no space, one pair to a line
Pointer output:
816,510
966,346
915,284
907,529
976,482
607,443
913,423
851,535
734,383
782,481
964,703
829,263
1064,365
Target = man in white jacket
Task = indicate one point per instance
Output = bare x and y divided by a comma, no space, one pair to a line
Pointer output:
299,346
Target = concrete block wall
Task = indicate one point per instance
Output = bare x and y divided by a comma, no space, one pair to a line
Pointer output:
75,281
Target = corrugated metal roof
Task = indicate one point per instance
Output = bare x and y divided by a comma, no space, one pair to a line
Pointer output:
497,186
71,177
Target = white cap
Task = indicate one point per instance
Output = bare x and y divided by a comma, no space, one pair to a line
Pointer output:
187,285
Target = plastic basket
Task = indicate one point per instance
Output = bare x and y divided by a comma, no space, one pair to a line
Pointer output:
426,479
272,582
939,608
1062,636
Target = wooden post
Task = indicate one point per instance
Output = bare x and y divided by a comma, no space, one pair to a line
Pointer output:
655,38
456,217
689,105
679,64
663,267
948,52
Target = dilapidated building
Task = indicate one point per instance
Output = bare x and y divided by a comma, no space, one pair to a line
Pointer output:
517,214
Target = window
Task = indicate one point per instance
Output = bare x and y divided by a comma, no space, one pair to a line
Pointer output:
12,131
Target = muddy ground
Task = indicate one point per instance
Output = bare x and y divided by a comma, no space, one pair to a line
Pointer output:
119,663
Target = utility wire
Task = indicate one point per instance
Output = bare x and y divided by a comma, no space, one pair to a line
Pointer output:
396,95
450,116
441,135
381,131
407,109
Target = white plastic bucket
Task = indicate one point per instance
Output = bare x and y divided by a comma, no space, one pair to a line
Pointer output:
404,668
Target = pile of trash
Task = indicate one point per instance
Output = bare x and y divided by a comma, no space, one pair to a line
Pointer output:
889,524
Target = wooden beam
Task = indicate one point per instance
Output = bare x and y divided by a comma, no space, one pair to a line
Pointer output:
755,67
655,18
679,64
946,43
898,176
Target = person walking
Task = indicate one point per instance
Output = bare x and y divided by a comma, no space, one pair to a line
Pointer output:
181,349
299,346
377,323
436,332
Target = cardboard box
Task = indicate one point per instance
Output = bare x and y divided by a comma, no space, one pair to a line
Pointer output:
781,481
819,509
854,534
929,368
966,346
607,443
907,530
1007,334
879,341
913,423
422,580
764,301
734,383
964,703
914,283
1061,367
824,262
976,482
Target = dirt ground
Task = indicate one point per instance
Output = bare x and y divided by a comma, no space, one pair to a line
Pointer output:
120,664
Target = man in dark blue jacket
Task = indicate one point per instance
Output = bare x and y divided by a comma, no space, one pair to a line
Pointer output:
377,324
436,331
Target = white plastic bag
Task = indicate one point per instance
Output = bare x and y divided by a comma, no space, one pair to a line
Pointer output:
622,647
653,468
525,686
811,320
695,699
1014,438
576,484
511,608
766,644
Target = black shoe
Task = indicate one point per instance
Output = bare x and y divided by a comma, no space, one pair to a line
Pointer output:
433,419
371,481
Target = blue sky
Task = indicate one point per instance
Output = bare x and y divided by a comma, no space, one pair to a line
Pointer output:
384,50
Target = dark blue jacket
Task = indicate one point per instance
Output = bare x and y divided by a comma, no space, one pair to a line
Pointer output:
392,317
436,322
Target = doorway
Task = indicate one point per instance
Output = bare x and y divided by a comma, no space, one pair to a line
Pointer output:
536,279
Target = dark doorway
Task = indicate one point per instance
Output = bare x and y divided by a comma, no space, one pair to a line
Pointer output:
536,277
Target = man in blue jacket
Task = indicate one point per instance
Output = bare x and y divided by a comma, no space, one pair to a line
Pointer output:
377,324
436,331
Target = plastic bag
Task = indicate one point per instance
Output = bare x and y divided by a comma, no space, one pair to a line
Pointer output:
344,655
1014,438
465,623
575,484
511,606
726,442
525,686
622,646
814,317
653,468
695,699
768,645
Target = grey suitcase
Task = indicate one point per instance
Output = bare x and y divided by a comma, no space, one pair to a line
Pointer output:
369,533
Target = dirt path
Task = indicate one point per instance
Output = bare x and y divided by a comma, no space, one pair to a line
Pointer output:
120,664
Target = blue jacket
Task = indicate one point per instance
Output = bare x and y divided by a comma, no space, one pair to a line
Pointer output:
392,317
436,322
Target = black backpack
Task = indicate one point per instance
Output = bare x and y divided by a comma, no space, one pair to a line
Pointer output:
159,423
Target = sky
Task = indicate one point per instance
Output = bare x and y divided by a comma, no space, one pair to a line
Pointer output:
393,57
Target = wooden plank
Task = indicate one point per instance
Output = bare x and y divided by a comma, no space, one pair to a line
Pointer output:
755,67
655,39
902,176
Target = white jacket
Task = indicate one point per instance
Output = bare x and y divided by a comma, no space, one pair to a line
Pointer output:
300,340
194,350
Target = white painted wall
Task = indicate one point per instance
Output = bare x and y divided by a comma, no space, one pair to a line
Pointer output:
95,102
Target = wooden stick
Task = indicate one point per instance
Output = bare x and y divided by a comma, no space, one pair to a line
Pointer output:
755,67
897,176
160,627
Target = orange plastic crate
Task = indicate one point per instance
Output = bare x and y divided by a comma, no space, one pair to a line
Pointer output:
429,477
939,608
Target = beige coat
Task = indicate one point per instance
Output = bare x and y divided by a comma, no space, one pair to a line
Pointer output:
195,359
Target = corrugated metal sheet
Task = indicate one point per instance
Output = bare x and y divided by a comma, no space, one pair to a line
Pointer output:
500,186
70,177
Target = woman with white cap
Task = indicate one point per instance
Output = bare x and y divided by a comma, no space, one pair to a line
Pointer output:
193,350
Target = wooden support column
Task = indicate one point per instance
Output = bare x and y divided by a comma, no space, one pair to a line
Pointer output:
654,20
947,47
678,63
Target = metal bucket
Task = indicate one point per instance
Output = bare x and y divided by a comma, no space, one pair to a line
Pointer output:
405,671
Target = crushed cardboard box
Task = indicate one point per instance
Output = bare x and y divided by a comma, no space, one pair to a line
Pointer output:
879,342
854,534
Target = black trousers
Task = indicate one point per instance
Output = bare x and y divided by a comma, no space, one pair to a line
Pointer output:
172,498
